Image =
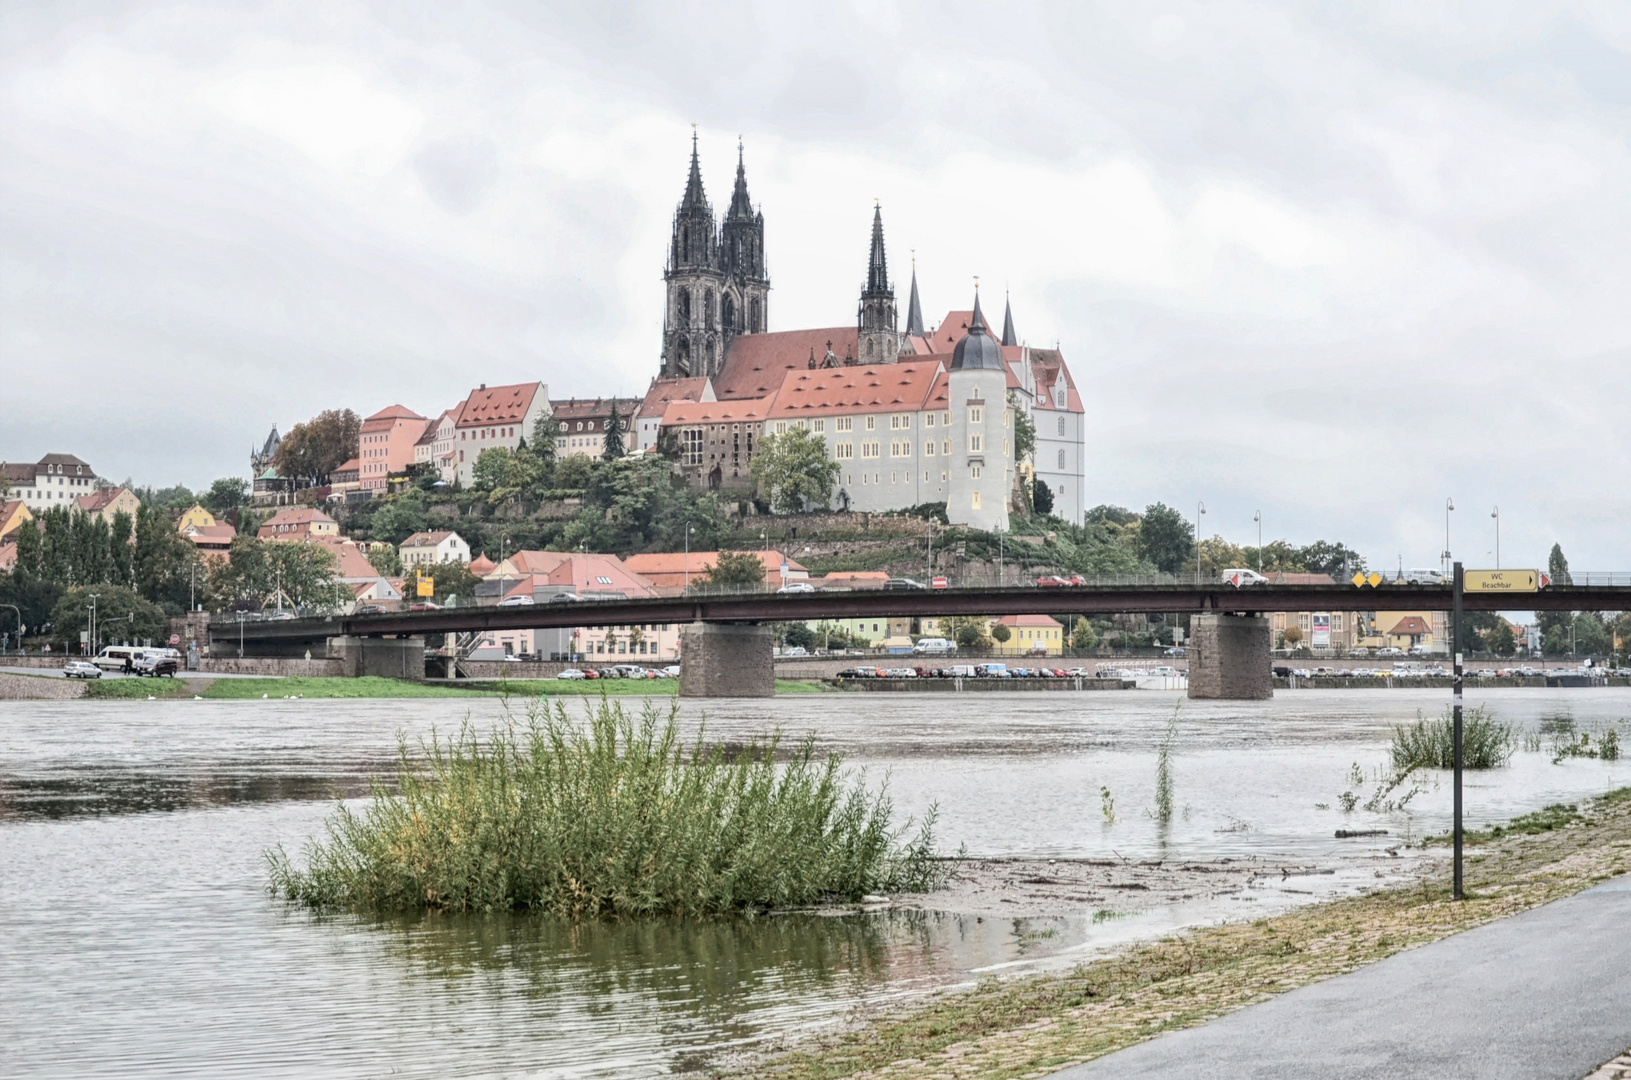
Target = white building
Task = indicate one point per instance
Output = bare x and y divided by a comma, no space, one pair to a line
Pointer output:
54,480
499,416
434,547
982,431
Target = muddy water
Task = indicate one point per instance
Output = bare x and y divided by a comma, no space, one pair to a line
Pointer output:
136,939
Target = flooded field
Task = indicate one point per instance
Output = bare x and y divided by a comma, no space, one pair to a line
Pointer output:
136,937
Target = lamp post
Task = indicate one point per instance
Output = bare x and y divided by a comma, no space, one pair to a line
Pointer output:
688,528
1496,514
1449,504
1200,508
1258,517
94,597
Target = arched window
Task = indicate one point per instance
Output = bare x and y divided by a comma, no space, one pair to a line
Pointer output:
708,309
685,243
1061,459
685,306
727,309
758,318
1061,425
685,353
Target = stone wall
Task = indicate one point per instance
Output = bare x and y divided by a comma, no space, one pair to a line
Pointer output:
1229,657
38,688
726,660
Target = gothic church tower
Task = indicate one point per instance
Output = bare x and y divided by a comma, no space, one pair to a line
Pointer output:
715,278
878,342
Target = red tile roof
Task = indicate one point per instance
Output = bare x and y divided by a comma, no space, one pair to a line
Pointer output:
755,363
388,416
751,410
663,391
904,387
498,404
1411,624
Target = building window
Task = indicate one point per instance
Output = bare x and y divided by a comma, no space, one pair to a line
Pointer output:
976,414
1061,425
976,500
844,423
928,421
900,422
820,426
976,444
900,448
844,451
928,448
691,446
974,471
1061,459
781,427
1007,417
869,449
871,422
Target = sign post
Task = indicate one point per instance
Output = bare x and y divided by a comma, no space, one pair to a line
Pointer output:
1502,580
1456,639
426,585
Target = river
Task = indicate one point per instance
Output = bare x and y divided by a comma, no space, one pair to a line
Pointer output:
136,936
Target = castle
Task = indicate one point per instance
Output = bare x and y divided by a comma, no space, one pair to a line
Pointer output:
912,415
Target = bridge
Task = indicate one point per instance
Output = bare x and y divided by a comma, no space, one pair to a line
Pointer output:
727,645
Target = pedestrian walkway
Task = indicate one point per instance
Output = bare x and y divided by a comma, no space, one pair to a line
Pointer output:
1545,995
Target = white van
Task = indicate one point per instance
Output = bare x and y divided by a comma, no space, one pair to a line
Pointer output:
933,646
1239,576
113,657
1424,577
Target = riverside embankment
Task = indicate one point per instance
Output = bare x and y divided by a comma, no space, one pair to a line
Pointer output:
140,825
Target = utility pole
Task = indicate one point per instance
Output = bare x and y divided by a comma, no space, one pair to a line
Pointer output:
1444,561
94,598
1200,508
1496,514
1258,517
688,527
1457,639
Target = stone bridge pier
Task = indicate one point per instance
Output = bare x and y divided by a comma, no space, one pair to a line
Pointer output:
726,660
1229,657
384,657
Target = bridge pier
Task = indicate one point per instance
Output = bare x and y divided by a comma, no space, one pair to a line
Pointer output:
383,657
726,660
1229,657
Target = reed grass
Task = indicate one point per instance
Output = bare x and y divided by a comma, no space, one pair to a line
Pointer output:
609,817
1486,743
1163,771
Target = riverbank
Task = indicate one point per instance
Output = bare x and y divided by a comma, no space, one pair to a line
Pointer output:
212,689
1031,1025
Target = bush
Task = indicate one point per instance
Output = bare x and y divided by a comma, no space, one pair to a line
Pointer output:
614,817
1486,743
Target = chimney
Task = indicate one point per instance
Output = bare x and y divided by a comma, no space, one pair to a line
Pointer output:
483,386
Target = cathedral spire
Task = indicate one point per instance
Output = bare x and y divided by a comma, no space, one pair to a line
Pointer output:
1008,335
877,266
914,309
694,196
741,209
978,319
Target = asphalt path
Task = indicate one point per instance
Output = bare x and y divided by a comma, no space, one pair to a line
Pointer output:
56,673
1545,995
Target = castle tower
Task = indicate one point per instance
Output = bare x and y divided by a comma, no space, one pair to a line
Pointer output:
692,340
981,468
745,302
878,342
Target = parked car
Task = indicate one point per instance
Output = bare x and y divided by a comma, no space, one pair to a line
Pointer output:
518,600
115,657
903,583
795,650
155,665
369,609
81,669
672,671
560,598
797,587
570,673
425,605
1175,650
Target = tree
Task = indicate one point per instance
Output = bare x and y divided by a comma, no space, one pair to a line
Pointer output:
1590,636
735,569
121,615
799,635
1024,431
1042,497
524,476
545,431
1292,636
572,472
121,549
1114,515
1559,621
1084,635
1165,538
488,471
792,470
1500,640
312,450
613,440
451,579
639,504
166,567
255,571
1557,566
1216,554
387,560
968,631
398,517
1324,557
1000,633
1274,557
227,493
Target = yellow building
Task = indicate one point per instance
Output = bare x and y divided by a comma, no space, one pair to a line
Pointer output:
13,515
1030,635
106,502
196,518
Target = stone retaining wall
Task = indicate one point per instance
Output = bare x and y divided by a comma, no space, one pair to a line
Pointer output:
959,685
38,688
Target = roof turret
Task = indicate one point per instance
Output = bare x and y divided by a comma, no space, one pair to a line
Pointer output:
978,349
914,309
694,196
1008,335
741,209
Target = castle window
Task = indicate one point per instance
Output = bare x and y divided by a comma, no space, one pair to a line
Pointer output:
691,445
928,421
1061,425
781,427
976,415
844,423
1007,417
975,444
758,318
843,450
976,500
945,446
928,449
974,472
1061,459
871,422
820,426
708,308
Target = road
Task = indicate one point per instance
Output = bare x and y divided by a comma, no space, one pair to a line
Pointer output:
1545,995
56,673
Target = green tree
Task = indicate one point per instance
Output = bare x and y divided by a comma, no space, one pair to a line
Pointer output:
488,472
524,476
1165,538
387,560
398,517
1500,640
1000,633
1324,557
32,596
1274,557
1114,515
1558,566
227,493
312,450
1024,431
1216,554
572,473
968,631
1555,621
545,431
1042,497
1084,635
799,635
452,580
254,572
613,441
735,569
166,566
30,550
121,549
793,469
638,504
1590,636
121,615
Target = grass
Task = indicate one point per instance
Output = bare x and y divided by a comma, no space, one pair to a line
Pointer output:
1486,743
1009,1028
614,816
1163,771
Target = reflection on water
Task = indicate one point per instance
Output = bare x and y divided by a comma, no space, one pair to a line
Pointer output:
136,936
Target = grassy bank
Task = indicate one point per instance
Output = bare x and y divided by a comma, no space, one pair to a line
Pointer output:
614,815
370,687
1027,1026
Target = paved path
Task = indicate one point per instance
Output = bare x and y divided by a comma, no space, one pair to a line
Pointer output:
1545,995
56,673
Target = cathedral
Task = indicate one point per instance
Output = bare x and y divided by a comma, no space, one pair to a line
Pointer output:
727,380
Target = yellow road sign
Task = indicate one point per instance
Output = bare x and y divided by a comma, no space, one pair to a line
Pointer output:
1500,580
1359,579
1375,579
427,586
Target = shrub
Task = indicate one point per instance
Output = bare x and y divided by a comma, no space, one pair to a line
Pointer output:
612,817
1486,743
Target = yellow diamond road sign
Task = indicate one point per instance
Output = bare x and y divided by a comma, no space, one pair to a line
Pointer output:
1500,580
1359,579
1375,579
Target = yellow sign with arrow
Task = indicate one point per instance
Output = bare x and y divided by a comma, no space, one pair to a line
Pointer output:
1500,580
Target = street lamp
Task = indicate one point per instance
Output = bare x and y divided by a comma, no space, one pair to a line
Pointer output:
688,528
1200,508
94,598
1258,517
1496,514
1449,504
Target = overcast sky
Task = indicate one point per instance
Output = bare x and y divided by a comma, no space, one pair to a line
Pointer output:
1330,262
